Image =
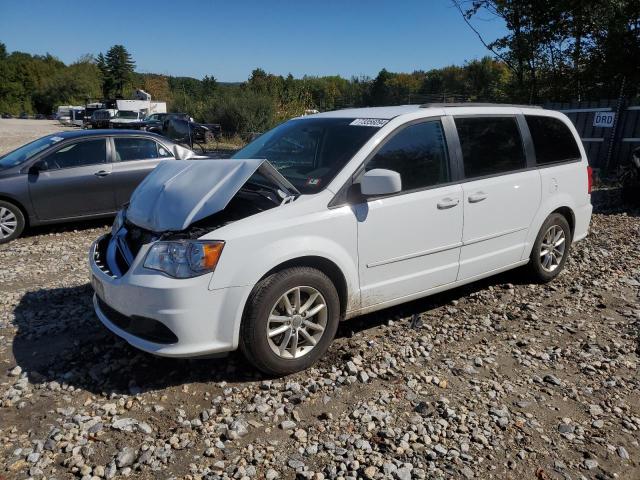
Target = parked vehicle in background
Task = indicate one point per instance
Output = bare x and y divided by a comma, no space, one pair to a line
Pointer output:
155,121
102,118
76,175
333,215
24,116
89,110
188,132
40,116
7,115
76,117
63,113
126,119
630,178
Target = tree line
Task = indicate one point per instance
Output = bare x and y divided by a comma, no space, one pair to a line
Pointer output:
554,50
561,50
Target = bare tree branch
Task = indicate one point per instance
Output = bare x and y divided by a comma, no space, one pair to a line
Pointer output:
457,4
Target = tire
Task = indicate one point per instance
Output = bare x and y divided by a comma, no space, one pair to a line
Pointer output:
266,301
12,222
539,268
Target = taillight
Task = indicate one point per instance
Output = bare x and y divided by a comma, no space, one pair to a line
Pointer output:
589,179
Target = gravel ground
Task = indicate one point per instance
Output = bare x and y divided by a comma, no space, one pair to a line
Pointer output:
498,379
15,132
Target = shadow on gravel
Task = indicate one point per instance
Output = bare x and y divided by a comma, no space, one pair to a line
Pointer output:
60,339
413,309
608,201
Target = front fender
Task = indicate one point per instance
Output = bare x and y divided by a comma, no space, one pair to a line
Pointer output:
256,263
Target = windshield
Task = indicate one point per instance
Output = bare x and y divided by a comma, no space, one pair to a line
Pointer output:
309,152
27,151
126,114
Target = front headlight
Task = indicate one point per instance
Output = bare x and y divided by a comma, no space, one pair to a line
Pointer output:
184,258
118,222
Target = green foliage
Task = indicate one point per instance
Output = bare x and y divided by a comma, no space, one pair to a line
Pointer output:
242,111
564,49
74,85
117,68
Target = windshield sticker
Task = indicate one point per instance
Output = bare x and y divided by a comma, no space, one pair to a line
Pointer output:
56,139
313,182
369,122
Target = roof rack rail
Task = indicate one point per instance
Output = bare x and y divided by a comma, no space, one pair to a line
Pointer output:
475,104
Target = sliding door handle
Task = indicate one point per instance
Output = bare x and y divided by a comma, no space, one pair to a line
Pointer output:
477,197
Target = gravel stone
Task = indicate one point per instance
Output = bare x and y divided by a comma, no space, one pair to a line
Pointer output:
494,380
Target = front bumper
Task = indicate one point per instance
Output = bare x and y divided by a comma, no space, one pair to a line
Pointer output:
200,321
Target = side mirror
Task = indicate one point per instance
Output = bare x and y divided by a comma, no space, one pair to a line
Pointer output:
38,167
380,181
182,153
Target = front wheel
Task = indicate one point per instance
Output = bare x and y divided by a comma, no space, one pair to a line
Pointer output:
290,320
551,249
12,222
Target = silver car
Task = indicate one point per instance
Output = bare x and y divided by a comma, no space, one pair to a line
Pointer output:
75,175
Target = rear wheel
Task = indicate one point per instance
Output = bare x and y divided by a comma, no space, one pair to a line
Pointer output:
11,222
551,249
290,320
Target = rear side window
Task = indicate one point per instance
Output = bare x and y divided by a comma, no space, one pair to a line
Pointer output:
490,145
552,140
137,149
418,153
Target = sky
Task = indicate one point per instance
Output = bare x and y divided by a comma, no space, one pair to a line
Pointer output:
229,39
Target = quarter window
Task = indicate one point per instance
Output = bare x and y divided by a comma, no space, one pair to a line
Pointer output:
128,149
418,153
79,154
490,145
552,140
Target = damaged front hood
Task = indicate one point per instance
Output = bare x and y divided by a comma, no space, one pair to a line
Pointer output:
178,193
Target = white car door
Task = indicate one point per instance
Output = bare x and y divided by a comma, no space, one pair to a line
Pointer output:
501,196
410,242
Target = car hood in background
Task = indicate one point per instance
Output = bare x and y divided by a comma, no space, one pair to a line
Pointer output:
176,194
125,120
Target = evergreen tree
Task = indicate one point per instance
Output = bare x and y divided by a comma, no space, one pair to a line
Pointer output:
117,68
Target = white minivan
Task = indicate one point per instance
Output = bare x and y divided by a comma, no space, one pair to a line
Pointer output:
333,215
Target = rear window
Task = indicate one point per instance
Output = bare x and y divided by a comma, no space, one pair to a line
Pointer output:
490,145
552,140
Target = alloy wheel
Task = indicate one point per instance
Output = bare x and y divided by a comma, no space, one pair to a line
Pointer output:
297,322
552,248
8,222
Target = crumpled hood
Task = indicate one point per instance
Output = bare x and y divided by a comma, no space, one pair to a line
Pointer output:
178,193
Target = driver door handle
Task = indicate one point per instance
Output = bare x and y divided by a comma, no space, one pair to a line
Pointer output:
477,197
448,203
102,173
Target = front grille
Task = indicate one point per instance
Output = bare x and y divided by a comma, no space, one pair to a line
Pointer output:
100,255
142,327
114,254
